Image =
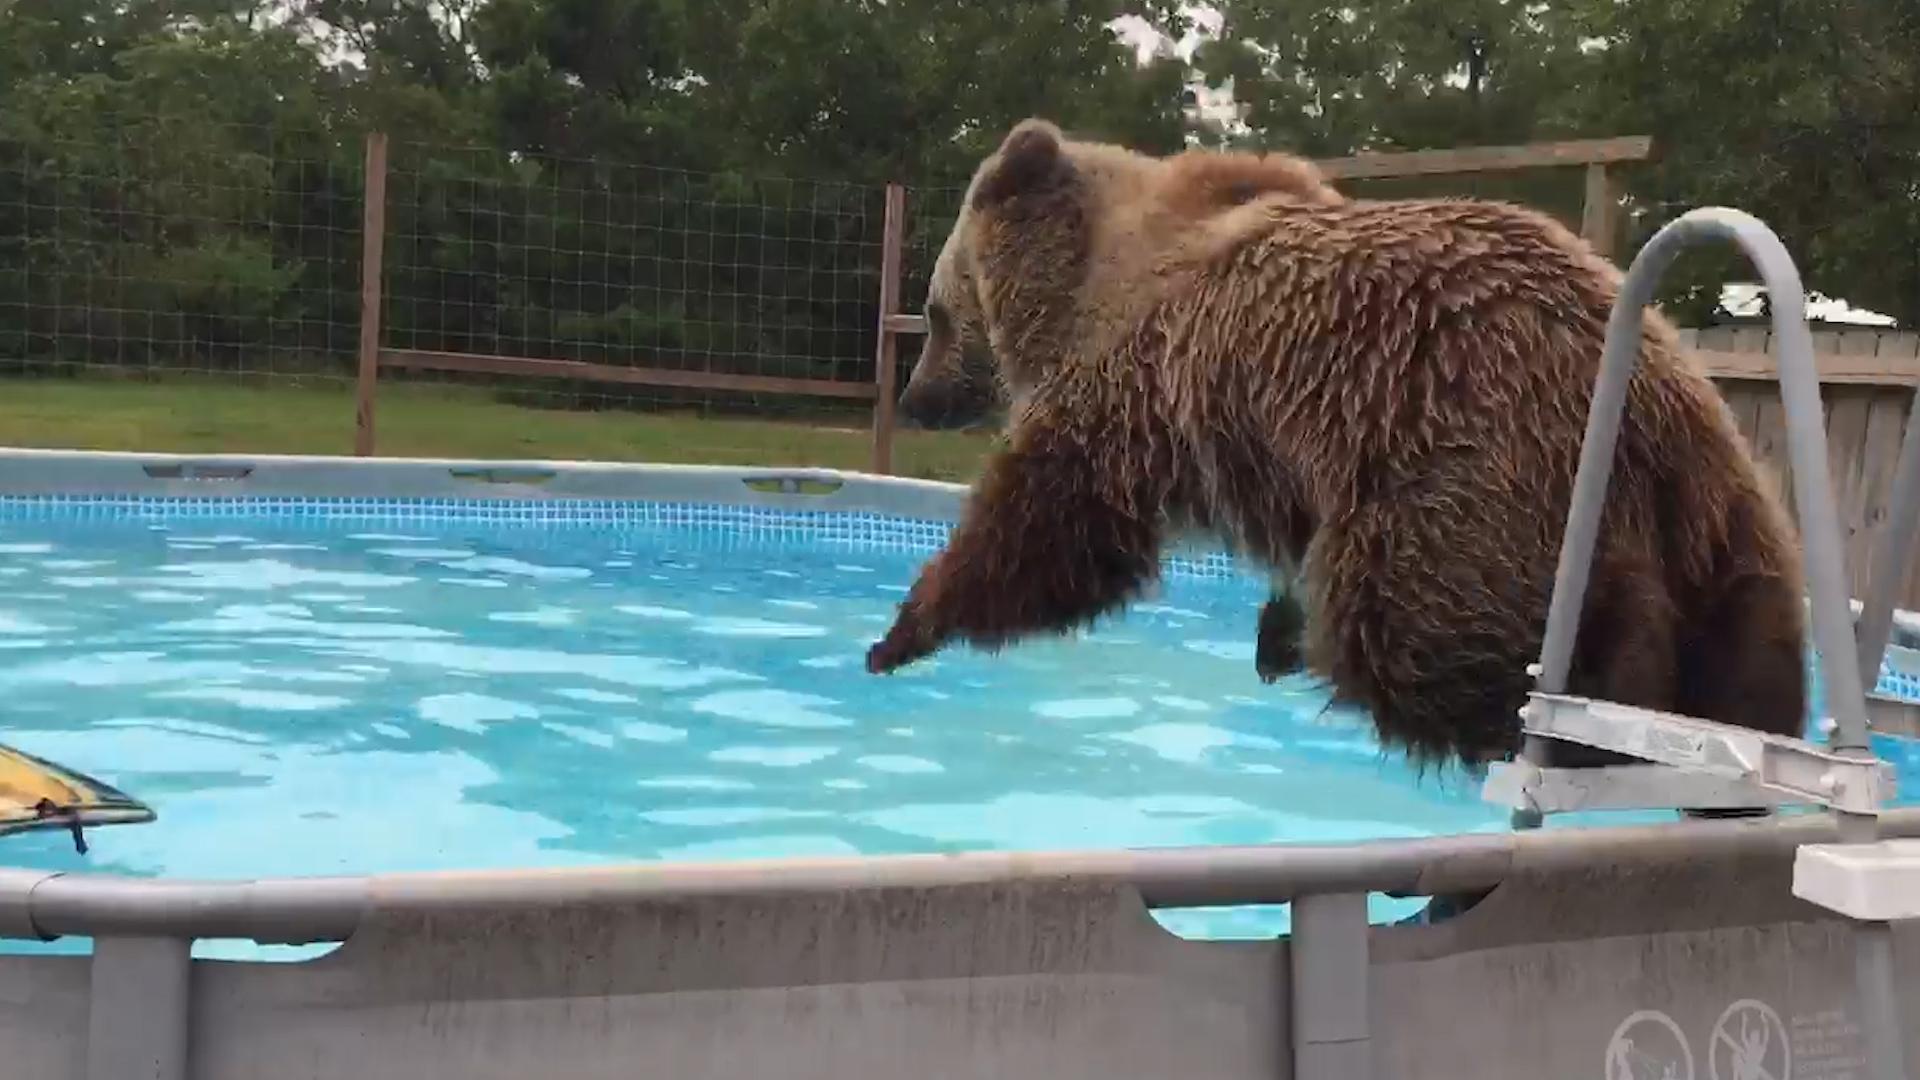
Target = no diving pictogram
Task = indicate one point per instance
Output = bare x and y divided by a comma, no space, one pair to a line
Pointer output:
1648,1045
1749,1043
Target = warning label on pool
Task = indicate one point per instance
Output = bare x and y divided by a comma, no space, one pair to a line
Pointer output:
1648,1045
1827,1045
1749,1043
1749,1040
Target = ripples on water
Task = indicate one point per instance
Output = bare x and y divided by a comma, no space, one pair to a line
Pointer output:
329,700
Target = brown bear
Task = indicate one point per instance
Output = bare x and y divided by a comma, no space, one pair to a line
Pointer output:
1384,399
956,381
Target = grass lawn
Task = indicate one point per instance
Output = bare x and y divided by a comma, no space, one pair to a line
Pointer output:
195,415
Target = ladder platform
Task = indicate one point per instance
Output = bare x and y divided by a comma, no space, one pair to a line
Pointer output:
1876,882
1522,785
1706,765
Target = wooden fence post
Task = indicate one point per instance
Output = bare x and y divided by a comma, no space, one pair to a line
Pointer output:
373,235
886,359
1600,214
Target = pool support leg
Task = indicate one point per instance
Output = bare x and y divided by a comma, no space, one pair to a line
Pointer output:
1879,1001
137,1024
1332,1037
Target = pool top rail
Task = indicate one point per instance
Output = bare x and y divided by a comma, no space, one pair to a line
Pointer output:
43,905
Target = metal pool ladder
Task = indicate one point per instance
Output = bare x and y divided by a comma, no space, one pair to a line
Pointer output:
1692,762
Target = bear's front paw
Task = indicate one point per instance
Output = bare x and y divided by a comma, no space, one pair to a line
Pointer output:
906,642
1271,668
1277,649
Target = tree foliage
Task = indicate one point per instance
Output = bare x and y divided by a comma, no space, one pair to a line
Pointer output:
1804,112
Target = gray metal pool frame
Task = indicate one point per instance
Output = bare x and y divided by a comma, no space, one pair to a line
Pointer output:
1677,950
957,966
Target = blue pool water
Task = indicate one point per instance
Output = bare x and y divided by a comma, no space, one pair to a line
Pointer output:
311,690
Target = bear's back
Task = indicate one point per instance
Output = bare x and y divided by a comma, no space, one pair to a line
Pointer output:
1424,369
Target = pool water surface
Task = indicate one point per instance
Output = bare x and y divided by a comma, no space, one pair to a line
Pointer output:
324,697
320,695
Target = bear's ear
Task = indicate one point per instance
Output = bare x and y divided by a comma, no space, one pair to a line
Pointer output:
1027,162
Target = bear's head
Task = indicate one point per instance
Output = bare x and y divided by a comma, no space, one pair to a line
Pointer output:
957,381
1057,243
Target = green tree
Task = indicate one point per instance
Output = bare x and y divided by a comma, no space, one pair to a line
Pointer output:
1803,113
143,172
1806,114
841,88
1402,74
1381,75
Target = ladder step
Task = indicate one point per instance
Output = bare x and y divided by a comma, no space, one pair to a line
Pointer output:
1794,770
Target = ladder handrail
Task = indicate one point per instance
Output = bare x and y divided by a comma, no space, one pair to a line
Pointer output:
1806,448
1831,609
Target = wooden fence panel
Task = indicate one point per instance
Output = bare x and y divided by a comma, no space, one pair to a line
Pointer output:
1868,381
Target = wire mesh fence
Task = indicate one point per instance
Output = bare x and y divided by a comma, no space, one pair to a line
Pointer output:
193,260
174,247
677,288
165,251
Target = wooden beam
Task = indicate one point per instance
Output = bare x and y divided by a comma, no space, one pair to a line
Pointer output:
1833,367
887,352
903,324
428,360
1489,158
373,235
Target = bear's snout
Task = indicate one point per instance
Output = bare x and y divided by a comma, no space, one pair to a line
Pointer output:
941,406
953,383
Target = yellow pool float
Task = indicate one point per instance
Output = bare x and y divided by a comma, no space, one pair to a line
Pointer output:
38,794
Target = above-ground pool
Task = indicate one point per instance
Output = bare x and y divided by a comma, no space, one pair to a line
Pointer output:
319,687
352,687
